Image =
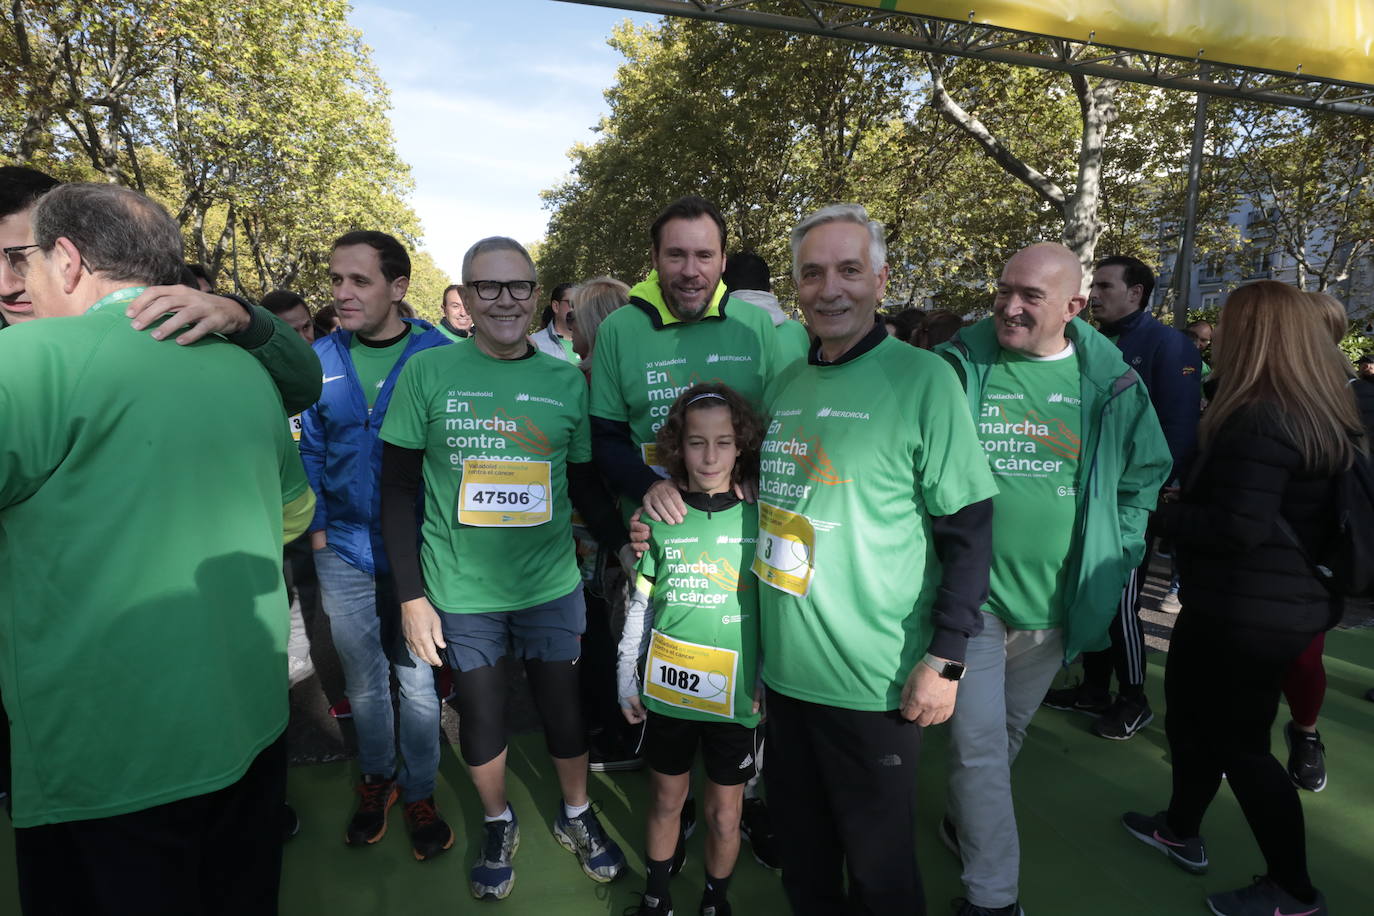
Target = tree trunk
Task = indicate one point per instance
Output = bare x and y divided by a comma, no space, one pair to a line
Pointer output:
1081,225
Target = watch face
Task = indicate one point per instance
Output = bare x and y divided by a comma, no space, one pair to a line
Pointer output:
953,671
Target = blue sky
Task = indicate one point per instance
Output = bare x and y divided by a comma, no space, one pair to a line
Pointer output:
487,98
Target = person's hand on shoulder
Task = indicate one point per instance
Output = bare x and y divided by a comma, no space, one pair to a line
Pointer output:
663,503
194,314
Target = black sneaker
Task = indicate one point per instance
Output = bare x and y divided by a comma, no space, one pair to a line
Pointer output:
1306,758
714,909
1264,898
429,834
950,837
1188,854
756,826
650,906
610,755
1127,716
1079,698
963,908
376,795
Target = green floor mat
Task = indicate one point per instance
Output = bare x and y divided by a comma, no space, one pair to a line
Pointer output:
1071,789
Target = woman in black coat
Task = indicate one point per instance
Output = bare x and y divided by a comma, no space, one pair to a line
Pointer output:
1282,425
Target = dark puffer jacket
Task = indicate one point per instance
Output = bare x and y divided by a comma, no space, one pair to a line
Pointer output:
1235,563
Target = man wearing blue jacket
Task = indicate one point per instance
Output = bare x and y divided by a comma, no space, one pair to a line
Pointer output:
1171,368
369,273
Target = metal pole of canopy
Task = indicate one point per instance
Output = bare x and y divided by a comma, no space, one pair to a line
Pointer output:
1183,269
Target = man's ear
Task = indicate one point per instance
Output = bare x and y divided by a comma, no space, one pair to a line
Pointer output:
399,287
67,260
1075,305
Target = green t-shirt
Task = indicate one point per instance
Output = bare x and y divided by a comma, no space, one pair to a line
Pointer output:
499,433
374,364
143,615
794,342
857,459
568,349
706,602
644,358
1030,423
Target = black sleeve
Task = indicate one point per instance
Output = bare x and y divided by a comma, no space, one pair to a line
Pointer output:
618,460
963,542
596,505
402,476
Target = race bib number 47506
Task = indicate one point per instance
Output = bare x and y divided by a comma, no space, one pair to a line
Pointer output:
505,494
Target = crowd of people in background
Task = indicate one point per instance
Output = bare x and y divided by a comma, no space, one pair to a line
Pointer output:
703,524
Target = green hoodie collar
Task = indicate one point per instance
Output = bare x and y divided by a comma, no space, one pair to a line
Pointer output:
647,296
1098,358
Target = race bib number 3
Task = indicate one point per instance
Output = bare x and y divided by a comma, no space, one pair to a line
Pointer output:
691,676
786,551
505,494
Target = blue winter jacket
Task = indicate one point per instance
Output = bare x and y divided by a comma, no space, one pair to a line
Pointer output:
343,454
1171,368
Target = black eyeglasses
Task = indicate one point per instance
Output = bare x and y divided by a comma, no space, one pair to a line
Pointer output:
487,290
18,258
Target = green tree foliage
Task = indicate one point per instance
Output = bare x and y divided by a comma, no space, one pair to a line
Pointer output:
262,127
773,125
1308,177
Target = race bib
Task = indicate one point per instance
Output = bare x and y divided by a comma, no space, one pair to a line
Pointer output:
691,676
649,452
296,427
785,554
505,494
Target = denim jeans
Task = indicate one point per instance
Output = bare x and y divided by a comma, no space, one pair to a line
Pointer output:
351,600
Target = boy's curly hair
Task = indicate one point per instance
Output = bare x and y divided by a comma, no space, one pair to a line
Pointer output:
750,427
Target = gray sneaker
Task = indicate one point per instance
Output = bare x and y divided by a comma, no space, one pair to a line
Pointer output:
1264,898
493,874
585,838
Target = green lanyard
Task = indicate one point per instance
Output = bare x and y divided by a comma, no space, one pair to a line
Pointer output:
118,297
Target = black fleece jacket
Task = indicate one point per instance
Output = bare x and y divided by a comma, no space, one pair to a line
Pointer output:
1234,562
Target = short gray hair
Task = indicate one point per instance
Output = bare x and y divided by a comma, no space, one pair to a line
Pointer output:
121,234
495,243
842,213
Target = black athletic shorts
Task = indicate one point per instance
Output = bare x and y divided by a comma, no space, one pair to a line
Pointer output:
729,751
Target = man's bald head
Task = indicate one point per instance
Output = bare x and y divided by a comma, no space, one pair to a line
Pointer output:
1055,261
1038,294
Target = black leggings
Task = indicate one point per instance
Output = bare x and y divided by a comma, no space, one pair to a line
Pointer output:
1222,684
482,709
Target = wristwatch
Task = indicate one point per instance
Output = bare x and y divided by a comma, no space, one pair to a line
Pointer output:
950,671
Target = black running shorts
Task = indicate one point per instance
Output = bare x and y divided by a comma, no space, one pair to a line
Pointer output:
729,750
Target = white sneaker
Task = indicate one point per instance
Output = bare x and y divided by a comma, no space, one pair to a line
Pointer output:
298,669
1170,603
